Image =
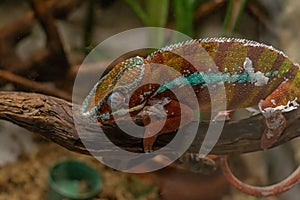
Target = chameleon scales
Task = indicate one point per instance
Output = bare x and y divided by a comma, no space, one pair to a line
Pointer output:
252,73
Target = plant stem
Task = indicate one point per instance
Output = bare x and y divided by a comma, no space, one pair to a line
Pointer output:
138,10
234,13
184,14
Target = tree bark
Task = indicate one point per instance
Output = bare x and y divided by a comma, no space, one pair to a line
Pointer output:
53,118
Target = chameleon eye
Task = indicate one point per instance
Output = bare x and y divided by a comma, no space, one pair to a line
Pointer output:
116,99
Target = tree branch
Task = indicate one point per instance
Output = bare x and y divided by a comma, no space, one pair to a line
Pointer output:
33,85
52,118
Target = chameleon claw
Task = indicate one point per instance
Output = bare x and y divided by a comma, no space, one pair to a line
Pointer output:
264,191
148,151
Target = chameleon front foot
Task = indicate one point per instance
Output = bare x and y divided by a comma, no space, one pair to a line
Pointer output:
153,117
264,191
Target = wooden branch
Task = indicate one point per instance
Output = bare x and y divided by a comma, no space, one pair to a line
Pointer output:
48,116
33,85
52,118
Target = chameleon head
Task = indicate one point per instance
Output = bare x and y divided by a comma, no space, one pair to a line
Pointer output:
110,96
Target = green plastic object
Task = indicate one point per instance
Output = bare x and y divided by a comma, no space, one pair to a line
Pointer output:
72,180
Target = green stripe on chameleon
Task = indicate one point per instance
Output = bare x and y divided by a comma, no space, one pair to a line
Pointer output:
205,79
235,57
285,67
295,87
271,74
266,60
274,73
296,81
211,48
170,60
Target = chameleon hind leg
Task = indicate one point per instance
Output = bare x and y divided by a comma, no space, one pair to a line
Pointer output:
263,191
283,99
275,125
167,117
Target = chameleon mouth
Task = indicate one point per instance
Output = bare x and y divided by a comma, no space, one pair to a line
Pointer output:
91,114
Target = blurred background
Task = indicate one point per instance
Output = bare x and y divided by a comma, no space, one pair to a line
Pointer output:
46,41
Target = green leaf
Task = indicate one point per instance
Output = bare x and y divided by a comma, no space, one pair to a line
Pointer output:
184,15
135,6
157,12
154,14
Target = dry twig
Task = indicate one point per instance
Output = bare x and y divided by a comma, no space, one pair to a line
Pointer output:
33,85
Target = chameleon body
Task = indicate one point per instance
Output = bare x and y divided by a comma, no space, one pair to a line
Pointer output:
253,74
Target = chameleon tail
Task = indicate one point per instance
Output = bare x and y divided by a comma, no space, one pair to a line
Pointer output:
283,99
263,191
